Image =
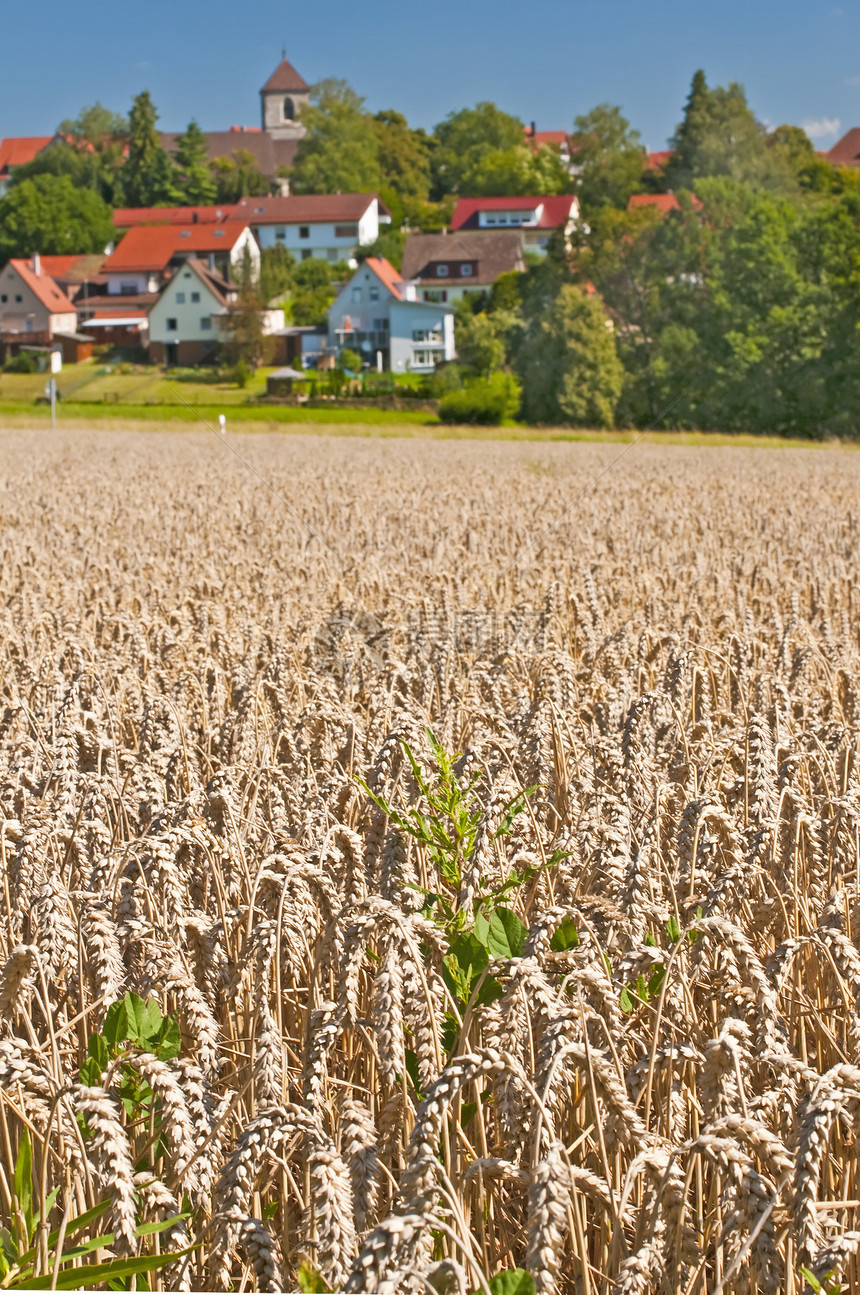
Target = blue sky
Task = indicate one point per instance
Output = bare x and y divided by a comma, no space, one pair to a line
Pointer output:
543,60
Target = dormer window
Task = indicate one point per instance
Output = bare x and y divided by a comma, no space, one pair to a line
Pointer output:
442,271
185,233
218,233
466,270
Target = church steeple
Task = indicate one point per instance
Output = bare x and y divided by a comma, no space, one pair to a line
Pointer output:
282,99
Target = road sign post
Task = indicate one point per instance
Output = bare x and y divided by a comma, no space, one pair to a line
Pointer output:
56,367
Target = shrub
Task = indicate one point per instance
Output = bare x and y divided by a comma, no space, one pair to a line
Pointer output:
23,362
241,373
349,360
488,402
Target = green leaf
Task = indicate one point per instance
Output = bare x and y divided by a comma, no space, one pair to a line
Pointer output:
481,928
23,1182
113,1270
655,982
167,1043
811,1279
464,962
625,1001
641,988
118,1024
310,1282
673,930
565,937
91,1073
467,1113
97,1050
270,1211
516,1281
507,935
650,941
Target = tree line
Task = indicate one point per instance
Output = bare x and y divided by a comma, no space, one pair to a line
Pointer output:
738,310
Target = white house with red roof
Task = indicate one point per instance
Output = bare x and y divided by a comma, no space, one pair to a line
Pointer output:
537,218
376,311
148,254
31,303
330,226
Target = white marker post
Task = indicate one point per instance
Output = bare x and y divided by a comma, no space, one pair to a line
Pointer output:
56,367
222,424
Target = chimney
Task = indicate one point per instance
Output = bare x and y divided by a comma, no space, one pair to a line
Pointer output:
534,129
37,263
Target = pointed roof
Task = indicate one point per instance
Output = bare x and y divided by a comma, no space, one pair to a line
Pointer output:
285,78
43,287
385,271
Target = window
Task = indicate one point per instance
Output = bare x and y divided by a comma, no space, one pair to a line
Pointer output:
28,324
306,253
420,357
127,289
466,270
289,109
418,335
380,325
4,297
195,296
171,325
18,297
374,294
180,298
280,235
186,274
206,323
332,254
442,271
304,231
435,294
356,296
346,231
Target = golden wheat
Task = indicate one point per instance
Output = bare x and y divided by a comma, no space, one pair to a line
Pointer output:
199,682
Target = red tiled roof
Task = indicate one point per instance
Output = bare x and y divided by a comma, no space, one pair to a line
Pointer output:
846,151
286,78
385,271
83,265
151,247
666,202
269,154
128,217
51,297
306,209
555,137
557,210
656,161
16,151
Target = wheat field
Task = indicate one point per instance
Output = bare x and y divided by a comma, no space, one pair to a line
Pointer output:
428,877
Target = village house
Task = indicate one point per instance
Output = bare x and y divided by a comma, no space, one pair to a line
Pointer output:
149,254
442,268
17,151
378,315
557,139
32,303
846,150
182,323
330,226
664,202
537,219
128,217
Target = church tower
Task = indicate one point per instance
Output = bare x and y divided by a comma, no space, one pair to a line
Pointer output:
282,99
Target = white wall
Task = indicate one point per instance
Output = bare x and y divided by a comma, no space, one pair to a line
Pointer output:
409,350
28,315
189,315
321,241
366,301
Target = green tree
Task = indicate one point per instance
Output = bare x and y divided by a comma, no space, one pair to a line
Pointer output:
95,126
245,343
479,345
313,291
147,177
719,135
568,364
349,360
390,243
464,139
193,174
404,156
340,152
238,176
51,215
277,270
609,157
501,173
